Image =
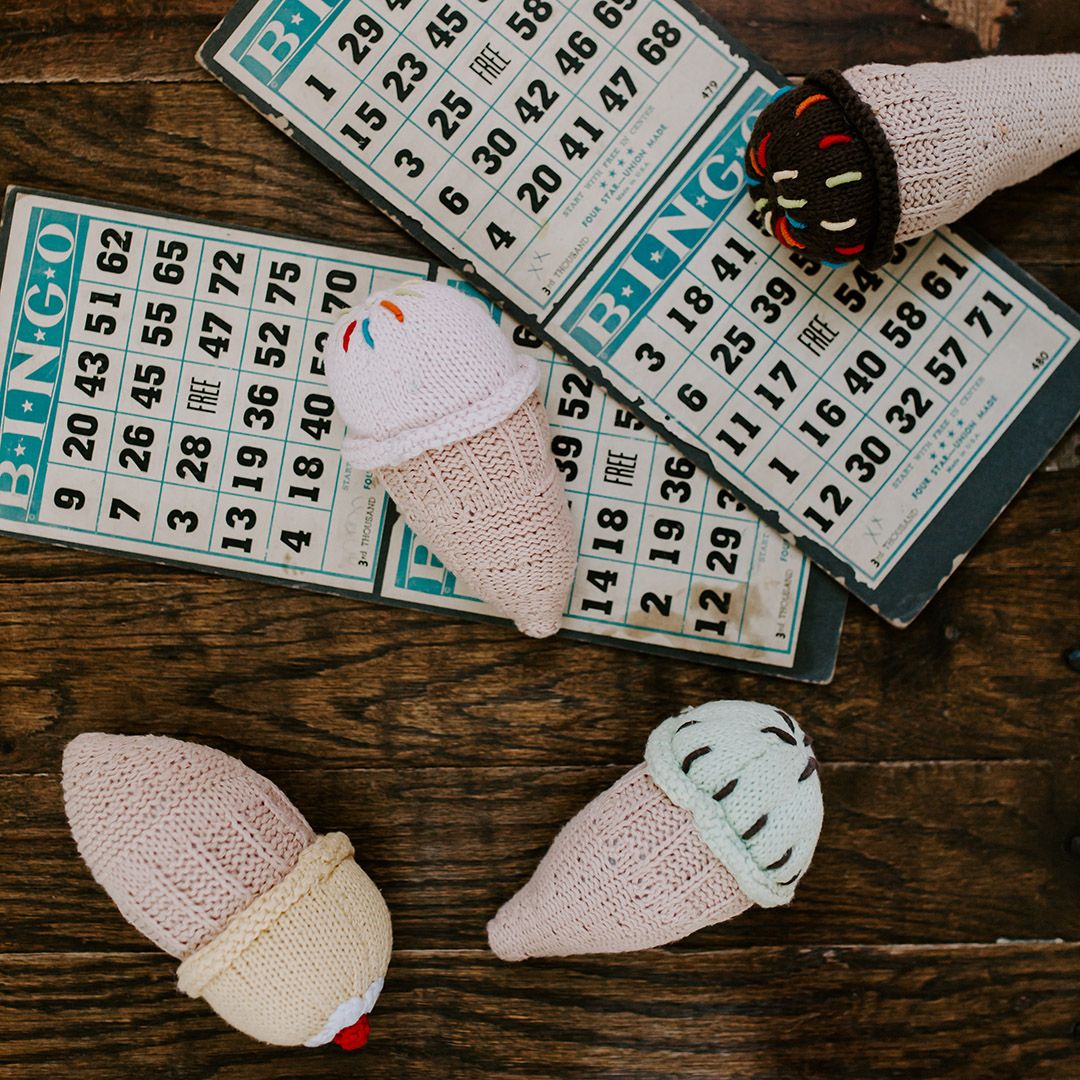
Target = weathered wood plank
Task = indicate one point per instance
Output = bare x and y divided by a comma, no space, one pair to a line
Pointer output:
1037,26
197,149
136,40
304,677
765,1013
938,853
452,752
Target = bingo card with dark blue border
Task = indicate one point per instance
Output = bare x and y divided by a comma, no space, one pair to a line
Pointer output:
582,164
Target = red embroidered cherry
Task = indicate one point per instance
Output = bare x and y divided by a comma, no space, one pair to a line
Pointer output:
355,1035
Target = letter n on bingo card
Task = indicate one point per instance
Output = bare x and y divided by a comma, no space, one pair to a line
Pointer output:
163,392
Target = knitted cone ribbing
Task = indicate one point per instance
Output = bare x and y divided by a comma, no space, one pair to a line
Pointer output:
725,812
440,404
494,508
316,945
280,931
181,836
850,163
961,131
629,871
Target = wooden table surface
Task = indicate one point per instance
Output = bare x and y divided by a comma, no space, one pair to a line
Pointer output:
938,932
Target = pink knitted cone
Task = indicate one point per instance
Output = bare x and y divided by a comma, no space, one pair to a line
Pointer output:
724,812
494,508
961,131
848,164
279,930
444,409
629,871
145,810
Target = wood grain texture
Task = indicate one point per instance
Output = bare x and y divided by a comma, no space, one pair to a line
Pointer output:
451,752
928,853
128,40
781,1013
293,678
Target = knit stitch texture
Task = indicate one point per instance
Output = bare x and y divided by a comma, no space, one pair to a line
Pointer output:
746,773
629,871
816,180
444,408
851,163
279,930
181,836
419,367
494,509
284,965
960,131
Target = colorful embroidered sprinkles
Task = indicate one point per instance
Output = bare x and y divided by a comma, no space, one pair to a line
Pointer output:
843,178
786,236
365,326
825,131
761,152
807,102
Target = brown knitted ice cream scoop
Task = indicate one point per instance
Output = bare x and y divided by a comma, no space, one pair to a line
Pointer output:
851,163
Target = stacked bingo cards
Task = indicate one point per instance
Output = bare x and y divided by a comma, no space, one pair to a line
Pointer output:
163,395
583,162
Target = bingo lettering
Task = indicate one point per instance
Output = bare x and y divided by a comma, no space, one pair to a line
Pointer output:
163,394
515,133
585,162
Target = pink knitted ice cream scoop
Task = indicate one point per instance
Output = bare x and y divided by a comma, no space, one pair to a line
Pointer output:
278,929
724,813
445,411
850,163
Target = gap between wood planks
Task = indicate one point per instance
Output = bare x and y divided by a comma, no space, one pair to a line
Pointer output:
682,949
284,774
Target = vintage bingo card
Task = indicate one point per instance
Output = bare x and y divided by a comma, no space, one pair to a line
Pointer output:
163,395
582,161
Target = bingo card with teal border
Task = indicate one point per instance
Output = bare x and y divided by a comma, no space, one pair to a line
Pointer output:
581,162
163,395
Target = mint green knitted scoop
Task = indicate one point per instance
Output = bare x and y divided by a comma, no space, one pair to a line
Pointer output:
748,775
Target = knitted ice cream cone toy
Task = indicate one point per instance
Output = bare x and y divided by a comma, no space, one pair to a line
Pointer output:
724,813
849,164
442,407
278,929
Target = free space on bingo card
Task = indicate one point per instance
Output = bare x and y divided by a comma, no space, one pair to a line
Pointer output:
163,395
583,163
